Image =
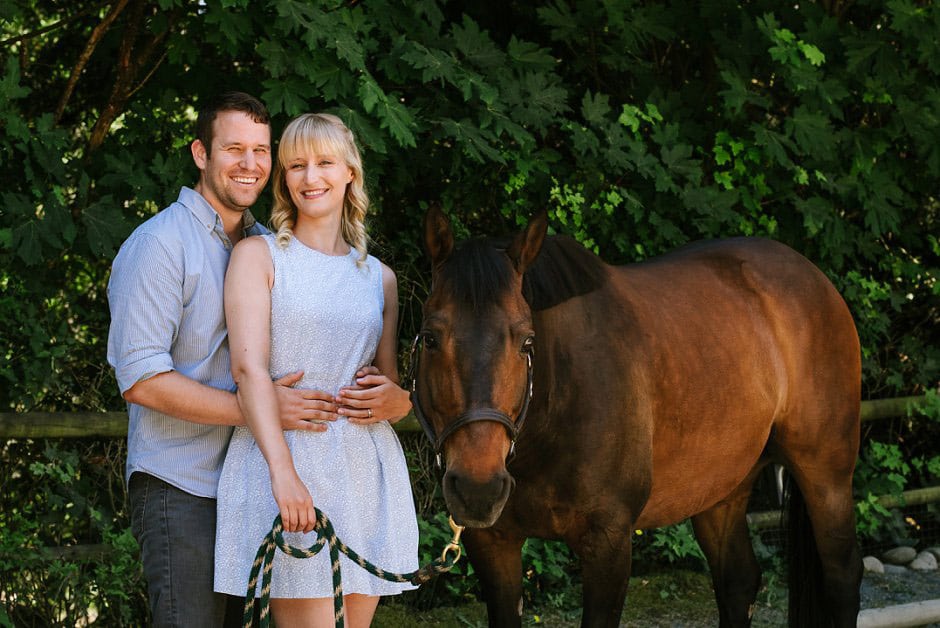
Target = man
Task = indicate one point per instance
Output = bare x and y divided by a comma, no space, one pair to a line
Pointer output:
169,349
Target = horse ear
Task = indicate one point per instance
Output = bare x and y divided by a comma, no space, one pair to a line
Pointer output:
438,235
526,245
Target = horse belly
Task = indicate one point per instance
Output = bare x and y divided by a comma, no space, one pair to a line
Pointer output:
692,480
707,435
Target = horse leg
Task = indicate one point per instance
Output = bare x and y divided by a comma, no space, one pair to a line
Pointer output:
823,541
606,553
723,535
497,561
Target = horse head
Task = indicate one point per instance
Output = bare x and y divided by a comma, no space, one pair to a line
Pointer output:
472,363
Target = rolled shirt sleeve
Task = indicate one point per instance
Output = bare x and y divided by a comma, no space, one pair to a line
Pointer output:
145,294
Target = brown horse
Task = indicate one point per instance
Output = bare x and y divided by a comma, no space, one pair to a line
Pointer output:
658,392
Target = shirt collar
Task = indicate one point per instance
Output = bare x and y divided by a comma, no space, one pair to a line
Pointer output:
207,216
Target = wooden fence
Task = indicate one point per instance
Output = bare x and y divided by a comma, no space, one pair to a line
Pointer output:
114,424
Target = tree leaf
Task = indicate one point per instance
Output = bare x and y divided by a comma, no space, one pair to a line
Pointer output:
595,108
105,226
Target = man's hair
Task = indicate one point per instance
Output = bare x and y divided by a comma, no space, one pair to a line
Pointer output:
229,101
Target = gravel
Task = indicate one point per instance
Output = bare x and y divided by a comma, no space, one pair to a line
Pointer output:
881,590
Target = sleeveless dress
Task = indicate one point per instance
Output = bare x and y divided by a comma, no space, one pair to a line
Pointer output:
326,319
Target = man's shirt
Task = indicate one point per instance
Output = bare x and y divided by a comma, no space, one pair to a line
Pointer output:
167,314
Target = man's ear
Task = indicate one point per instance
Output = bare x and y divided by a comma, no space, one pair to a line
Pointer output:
200,155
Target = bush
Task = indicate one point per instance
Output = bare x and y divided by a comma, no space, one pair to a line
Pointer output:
67,556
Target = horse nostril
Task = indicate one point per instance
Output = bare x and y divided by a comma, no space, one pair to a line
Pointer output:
479,494
450,483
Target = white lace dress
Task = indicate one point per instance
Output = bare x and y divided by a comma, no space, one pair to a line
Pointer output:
326,319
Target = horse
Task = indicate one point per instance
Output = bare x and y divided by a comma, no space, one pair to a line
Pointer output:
571,399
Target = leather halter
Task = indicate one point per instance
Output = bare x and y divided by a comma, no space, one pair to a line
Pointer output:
474,414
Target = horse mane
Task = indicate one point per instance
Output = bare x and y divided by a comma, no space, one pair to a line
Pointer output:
563,269
478,271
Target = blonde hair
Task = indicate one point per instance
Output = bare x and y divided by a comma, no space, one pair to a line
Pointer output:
324,134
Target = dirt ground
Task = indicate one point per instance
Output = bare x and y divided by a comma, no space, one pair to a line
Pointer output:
672,600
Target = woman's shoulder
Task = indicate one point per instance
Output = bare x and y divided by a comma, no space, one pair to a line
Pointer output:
389,280
256,246
374,262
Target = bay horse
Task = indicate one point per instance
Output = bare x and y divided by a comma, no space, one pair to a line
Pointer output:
659,391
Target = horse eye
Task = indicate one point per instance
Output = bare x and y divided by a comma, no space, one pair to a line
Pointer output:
430,342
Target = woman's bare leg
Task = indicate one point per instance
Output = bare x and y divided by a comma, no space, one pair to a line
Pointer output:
360,609
303,612
318,612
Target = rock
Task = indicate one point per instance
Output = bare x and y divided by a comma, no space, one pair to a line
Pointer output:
899,555
925,561
895,569
935,551
873,565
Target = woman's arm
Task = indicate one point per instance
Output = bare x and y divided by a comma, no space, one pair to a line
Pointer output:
248,284
379,392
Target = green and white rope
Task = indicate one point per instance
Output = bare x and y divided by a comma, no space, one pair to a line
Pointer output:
326,535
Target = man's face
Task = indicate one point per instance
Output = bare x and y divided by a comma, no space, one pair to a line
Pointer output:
236,167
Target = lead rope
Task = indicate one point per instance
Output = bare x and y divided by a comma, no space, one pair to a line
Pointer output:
264,563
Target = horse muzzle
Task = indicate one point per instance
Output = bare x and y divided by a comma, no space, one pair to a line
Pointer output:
474,503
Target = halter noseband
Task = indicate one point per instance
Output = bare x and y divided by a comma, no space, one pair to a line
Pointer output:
474,414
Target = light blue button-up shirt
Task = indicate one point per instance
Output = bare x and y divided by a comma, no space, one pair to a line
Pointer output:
165,295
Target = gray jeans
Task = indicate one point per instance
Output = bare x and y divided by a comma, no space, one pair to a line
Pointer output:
176,534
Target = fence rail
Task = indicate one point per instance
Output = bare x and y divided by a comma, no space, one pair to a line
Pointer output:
93,424
114,424
771,518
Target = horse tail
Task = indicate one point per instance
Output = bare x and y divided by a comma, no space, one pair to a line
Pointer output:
804,570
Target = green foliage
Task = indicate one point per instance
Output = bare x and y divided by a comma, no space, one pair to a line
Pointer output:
681,123
884,469
677,543
639,126
550,569
59,498
674,545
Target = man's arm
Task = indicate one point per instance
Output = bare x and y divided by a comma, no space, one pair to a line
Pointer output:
176,395
145,298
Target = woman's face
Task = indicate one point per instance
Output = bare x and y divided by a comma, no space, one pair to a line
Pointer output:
317,183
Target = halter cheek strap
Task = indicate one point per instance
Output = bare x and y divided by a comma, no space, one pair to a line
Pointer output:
470,416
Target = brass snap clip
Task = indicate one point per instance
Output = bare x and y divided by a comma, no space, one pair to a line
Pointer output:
454,545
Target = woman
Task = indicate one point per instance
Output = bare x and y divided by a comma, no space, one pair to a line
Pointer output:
310,298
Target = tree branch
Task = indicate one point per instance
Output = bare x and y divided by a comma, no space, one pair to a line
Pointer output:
128,68
149,74
93,41
52,27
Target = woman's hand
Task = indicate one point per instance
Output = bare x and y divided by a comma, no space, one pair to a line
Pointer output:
293,499
373,398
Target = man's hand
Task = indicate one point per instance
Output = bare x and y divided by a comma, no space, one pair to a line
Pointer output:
373,398
302,409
